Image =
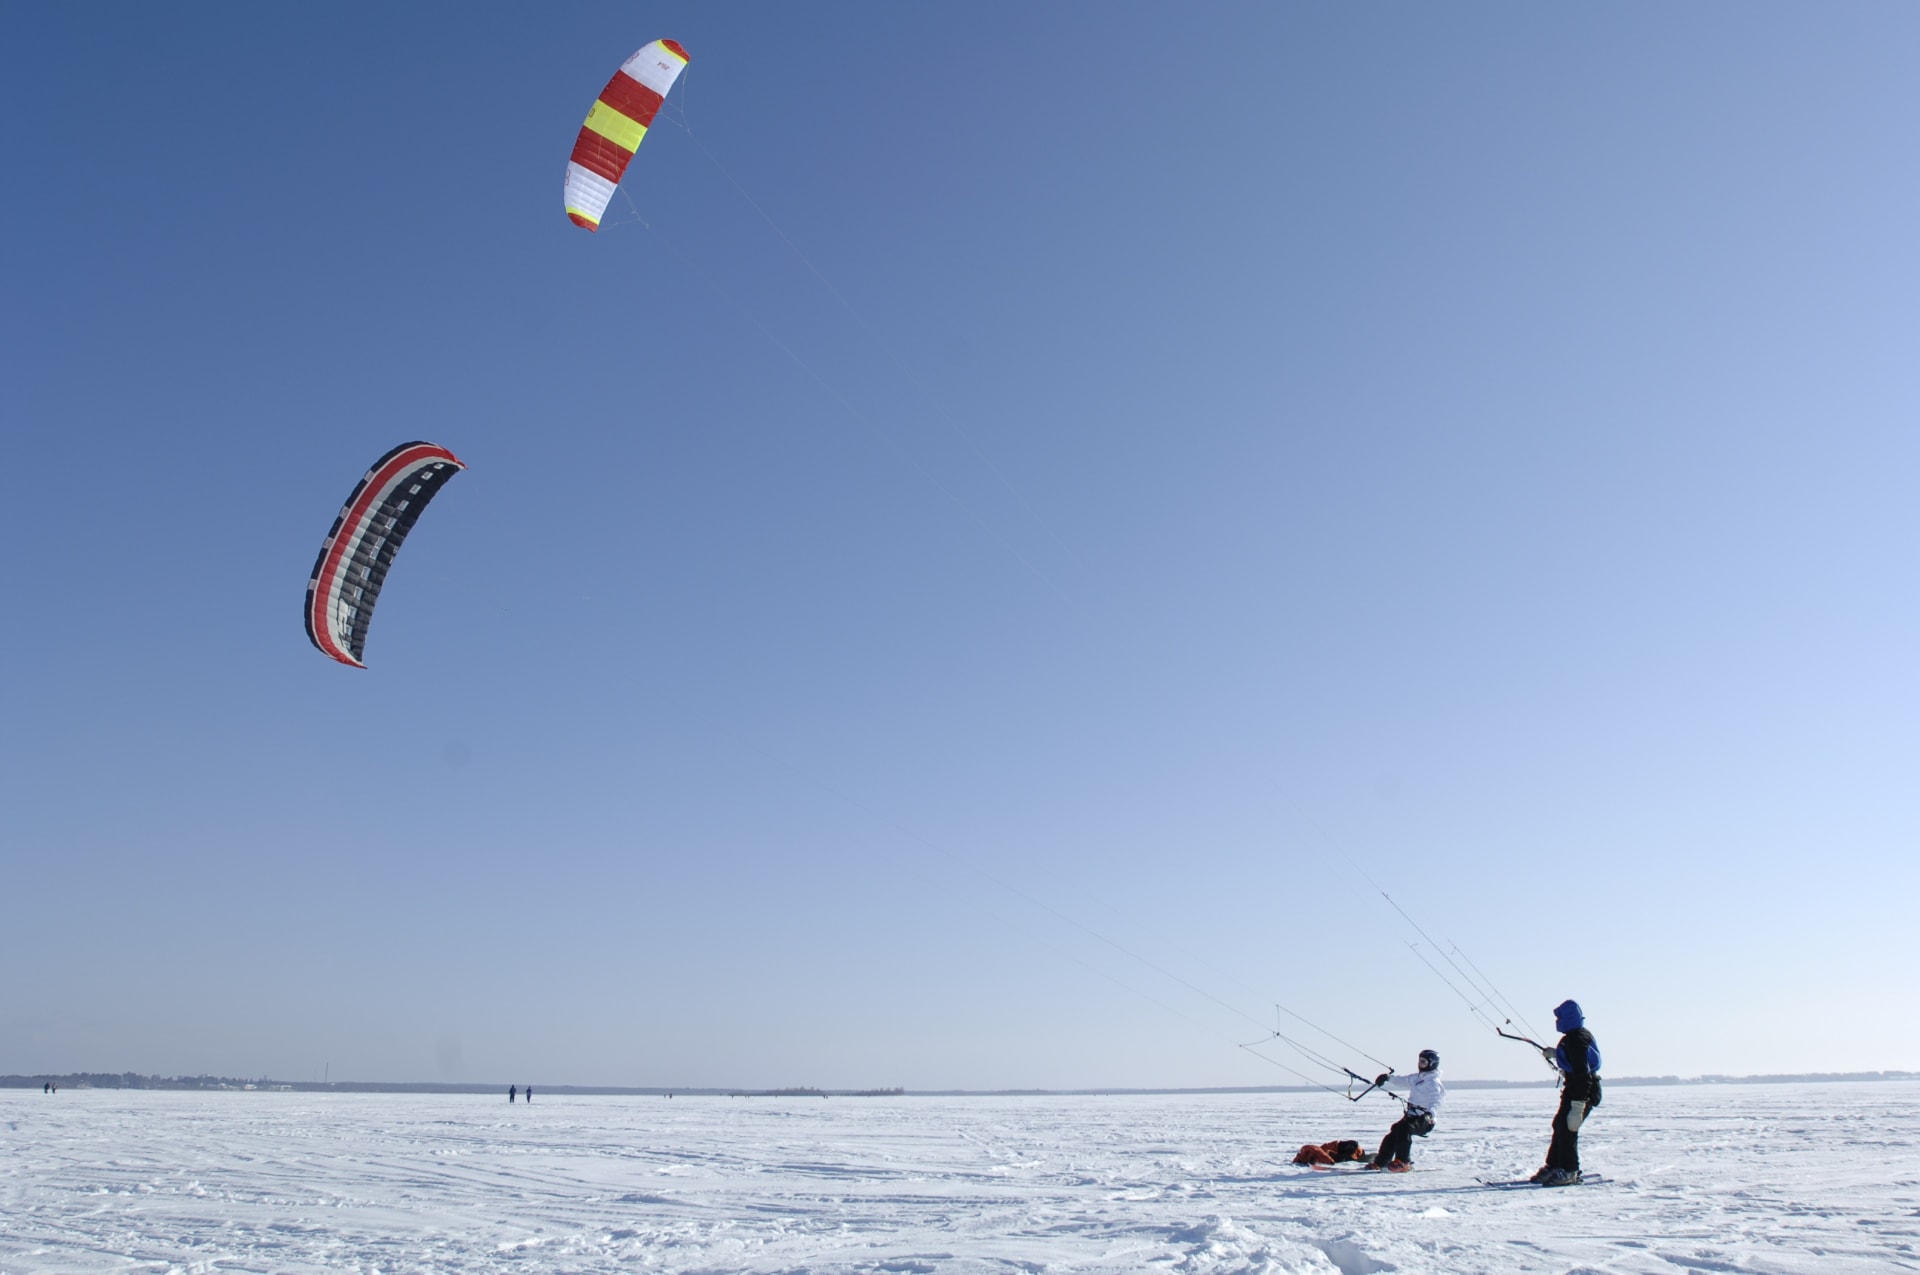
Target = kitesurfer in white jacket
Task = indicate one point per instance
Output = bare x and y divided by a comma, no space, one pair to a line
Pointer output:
1424,1094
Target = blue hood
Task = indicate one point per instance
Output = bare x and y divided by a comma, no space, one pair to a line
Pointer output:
1567,1016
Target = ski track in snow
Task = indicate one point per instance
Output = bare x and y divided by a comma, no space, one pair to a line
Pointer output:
1777,1179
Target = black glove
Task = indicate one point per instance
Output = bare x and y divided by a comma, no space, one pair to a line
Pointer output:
1382,1078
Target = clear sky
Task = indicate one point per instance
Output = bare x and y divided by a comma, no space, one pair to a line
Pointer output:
972,624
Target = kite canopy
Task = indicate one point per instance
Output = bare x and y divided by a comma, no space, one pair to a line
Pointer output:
353,562
615,125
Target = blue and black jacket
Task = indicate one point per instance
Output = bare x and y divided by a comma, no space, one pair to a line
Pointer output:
1577,1056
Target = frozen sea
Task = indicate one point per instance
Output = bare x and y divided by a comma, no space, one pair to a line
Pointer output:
1768,1178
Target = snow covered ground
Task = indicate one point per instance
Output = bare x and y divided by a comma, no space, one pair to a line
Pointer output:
1770,1178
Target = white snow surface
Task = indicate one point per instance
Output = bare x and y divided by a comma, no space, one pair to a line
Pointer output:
1766,1178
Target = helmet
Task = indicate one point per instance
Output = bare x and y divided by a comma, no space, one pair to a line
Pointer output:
1429,1060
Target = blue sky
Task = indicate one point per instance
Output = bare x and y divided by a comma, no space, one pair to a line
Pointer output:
1145,474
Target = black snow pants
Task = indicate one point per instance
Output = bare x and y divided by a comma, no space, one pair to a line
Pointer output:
1398,1144
1564,1151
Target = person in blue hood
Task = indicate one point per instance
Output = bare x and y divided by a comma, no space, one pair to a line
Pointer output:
1577,1059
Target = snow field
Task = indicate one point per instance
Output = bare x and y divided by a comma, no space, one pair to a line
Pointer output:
1765,1178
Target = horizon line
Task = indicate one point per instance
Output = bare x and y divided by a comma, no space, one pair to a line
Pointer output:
219,1084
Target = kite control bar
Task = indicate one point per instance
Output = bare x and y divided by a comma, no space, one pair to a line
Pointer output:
1528,1040
1371,1085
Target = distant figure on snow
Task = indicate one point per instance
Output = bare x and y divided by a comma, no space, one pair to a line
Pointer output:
528,1091
46,1086
513,1091
1577,1059
1425,1093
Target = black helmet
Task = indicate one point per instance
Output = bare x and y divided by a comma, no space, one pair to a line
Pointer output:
1429,1060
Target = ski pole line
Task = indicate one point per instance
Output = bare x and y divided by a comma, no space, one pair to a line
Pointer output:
873,336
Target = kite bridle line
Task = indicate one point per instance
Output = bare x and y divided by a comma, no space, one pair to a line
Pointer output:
1490,996
1494,994
1319,1059
1352,1076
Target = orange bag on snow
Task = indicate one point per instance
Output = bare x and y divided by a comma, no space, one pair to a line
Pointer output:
1330,1152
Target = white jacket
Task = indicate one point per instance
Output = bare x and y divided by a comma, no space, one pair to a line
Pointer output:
1423,1089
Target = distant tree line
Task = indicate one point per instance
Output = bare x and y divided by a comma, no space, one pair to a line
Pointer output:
807,1091
134,1080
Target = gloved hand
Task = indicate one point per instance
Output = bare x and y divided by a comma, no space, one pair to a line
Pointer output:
1383,1078
1547,1054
